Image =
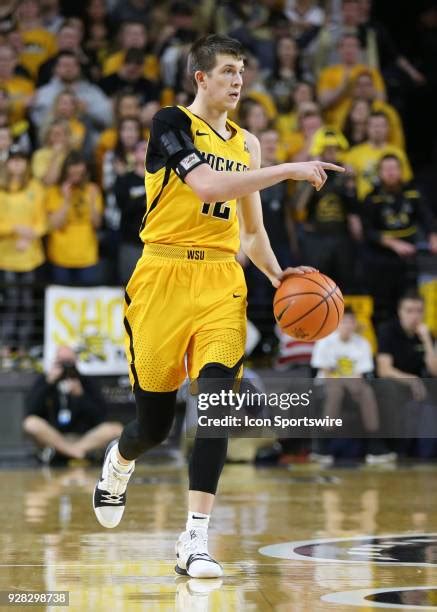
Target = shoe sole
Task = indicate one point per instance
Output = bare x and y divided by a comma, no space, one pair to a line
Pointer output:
183,572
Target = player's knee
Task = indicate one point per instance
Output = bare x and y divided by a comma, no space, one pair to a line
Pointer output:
219,371
155,413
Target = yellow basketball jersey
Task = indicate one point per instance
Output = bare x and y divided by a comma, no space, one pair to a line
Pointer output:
174,214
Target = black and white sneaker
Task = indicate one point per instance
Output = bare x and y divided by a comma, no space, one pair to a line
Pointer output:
193,558
109,499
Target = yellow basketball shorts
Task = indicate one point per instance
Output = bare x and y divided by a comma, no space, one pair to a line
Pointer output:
184,308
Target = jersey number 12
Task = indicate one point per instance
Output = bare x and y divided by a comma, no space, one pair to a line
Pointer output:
220,210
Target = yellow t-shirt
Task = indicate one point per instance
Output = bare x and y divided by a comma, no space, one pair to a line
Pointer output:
115,61
39,46
22,207
19,90
332,77
78,133
396,135
364,160
43,158
75,244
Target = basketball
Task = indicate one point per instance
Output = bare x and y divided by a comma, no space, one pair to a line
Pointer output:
308,306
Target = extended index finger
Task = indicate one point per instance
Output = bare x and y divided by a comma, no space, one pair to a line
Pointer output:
328,166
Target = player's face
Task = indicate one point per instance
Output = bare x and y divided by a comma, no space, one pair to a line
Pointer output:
223,83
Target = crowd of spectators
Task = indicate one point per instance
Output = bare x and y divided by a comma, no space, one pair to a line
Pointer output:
80,84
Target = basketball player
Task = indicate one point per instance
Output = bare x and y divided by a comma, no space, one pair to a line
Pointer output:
187,295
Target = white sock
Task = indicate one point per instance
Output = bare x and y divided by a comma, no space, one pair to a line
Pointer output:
197,520
120,467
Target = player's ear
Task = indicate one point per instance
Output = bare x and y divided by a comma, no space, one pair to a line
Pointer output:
200,78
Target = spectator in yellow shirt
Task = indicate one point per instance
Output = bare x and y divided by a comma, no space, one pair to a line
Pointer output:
75,207
22,224
364,158
132,36
336,83
309,120
48,160
286,123
34,43
364,89
19,88
67,107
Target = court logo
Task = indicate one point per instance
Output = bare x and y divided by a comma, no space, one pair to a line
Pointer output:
407,598
411,549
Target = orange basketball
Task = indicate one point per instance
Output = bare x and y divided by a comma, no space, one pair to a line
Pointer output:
308,306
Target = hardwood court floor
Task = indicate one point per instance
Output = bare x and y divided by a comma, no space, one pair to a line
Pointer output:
50,539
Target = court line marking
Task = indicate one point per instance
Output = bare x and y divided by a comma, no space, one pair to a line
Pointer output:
277,550
358,598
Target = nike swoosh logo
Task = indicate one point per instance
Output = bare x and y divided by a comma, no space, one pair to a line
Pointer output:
236,295
201,133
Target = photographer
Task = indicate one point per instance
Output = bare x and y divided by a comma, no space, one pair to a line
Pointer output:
66,412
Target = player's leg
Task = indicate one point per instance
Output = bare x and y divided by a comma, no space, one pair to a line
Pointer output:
215,360
156,341
155,413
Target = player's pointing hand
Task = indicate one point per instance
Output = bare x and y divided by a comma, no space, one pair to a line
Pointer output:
314,172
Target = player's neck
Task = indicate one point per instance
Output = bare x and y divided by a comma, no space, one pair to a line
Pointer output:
215,118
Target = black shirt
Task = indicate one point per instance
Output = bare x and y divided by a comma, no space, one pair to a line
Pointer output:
66,412
396,214
273,201
130,193
408,352
328,209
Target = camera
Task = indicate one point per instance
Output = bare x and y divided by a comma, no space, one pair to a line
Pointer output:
69,370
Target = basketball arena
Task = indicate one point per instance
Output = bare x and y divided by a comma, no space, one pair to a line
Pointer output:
218,305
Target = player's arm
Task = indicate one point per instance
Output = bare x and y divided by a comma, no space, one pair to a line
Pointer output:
213,186
254,239
171,145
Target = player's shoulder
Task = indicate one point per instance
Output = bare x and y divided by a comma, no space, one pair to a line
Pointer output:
172,115
252,142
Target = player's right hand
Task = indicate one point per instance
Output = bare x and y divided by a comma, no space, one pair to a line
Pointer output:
313,171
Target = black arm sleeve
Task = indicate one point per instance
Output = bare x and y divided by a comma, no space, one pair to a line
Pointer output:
171,143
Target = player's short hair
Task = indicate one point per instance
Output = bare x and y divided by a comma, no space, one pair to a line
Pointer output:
203,53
